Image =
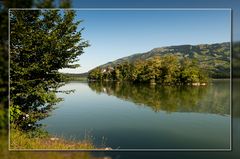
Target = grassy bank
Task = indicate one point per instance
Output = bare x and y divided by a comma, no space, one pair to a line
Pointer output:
6,154
21,140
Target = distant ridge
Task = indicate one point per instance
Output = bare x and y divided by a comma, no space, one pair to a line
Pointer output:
215,57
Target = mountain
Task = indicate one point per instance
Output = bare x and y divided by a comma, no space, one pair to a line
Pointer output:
214,57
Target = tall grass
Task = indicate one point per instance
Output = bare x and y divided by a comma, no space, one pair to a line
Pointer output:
21,140
6,154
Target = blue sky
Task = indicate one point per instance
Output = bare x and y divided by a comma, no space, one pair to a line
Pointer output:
113,34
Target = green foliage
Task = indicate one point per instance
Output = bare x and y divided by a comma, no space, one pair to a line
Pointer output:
95,74
167,70
4,54
5,4
15,112
42,42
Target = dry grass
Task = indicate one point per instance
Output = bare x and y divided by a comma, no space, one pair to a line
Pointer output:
20,140
6,154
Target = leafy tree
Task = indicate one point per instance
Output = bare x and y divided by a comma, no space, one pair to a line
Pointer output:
42,42
4,5
152,69
191,72
95,74
125,69
137,69
170,69
185,76
117,74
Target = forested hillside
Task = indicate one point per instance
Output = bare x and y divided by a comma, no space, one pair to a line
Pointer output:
215,58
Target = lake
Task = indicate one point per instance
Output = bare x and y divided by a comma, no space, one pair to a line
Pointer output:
143,116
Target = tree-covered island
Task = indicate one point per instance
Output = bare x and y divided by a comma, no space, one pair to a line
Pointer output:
165,70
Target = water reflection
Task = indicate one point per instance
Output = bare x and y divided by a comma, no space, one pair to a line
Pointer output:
214,98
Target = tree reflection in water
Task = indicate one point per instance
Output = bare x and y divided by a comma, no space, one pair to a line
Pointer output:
214,98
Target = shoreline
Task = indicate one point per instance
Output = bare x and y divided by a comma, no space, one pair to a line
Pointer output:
218,79
22,141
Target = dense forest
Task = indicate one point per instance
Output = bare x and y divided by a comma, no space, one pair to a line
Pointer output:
167,70
215,58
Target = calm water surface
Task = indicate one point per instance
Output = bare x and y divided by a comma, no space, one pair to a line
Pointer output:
127,116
